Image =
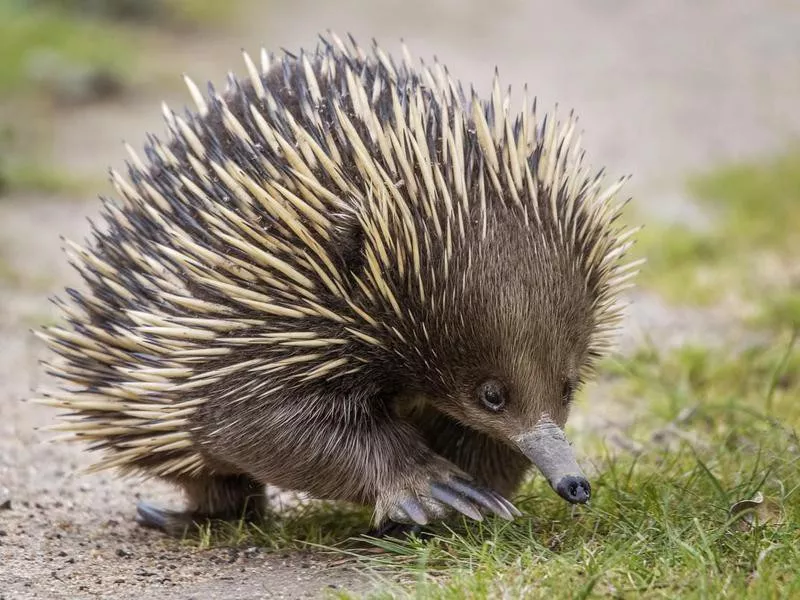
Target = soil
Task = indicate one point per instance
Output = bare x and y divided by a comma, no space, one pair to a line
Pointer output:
663,89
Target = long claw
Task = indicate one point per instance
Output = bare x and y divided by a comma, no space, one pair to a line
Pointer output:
486,498
445,494
152,517
511,508
413,508
171,522
398,514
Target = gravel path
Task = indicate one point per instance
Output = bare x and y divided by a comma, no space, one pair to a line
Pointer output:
663,88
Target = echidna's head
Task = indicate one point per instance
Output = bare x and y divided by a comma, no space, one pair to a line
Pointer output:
514,341
506,339
494,271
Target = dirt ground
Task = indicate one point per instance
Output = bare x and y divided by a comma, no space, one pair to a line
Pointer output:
663,88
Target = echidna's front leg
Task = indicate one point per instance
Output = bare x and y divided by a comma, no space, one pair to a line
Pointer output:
434,491
490,462
210,497
414,485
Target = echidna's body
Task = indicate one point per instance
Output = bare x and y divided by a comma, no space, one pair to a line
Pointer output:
344,277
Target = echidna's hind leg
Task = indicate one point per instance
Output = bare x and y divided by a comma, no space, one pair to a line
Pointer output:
210,498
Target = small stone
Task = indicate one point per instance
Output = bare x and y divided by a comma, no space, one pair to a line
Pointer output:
5,504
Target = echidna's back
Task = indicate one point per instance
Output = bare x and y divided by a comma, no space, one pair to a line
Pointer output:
233,236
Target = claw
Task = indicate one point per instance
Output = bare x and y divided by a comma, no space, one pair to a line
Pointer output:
486,498
443,493
171,522
511,508
153,517
398,514
415,511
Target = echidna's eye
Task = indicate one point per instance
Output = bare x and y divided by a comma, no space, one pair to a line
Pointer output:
492,395
567,391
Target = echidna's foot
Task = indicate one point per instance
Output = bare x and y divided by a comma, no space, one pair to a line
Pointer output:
181,523
392,529
443,496
172,522
210,498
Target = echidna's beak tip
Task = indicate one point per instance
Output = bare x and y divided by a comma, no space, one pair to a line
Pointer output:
575,490
548,448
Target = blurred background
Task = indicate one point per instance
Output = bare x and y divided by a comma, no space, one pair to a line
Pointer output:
699,101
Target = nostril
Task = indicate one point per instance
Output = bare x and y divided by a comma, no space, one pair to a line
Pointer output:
574,489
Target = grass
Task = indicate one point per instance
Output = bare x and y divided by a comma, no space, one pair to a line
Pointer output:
780,309
32,175
163,13
310,525
90,33
718,429
713,431
44,40
25,31
750,248
199,12
24,169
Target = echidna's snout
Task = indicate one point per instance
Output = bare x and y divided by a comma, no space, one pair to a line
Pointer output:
548,448
575,490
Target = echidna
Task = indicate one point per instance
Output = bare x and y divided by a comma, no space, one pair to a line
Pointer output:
343,276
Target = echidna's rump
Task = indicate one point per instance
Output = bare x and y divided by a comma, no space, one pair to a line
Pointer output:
345,276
